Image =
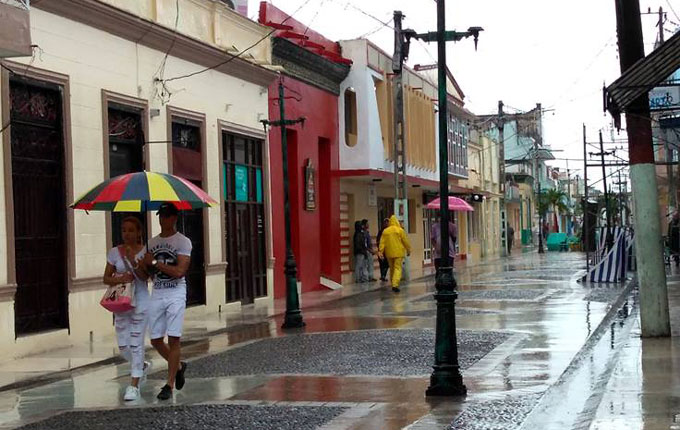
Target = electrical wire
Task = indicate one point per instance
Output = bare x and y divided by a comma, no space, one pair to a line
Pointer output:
673,10
232,57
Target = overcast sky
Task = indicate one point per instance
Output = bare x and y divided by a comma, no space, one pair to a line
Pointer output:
558,53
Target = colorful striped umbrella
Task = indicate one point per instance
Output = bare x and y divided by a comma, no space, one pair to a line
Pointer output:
143,191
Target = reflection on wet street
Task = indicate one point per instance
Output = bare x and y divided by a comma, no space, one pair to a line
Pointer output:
536,347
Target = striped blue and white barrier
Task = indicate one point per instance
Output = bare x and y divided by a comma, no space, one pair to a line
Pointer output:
612,265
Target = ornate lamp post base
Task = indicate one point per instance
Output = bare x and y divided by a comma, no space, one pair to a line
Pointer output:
293,318
446,380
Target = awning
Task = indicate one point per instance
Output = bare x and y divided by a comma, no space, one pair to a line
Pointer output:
642,77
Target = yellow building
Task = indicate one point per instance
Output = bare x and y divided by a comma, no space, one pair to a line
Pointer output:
107,91
484,223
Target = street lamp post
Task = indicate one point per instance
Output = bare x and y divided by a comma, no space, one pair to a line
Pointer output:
446,379
293,317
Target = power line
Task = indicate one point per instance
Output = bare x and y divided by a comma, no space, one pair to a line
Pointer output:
238,55
673,10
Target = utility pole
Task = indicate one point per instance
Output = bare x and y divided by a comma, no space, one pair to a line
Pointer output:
585,228
500,123
446,379
660,25
401,50
537,179
654,316
609,240
293,317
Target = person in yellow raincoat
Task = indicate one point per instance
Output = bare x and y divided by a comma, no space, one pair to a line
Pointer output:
394,246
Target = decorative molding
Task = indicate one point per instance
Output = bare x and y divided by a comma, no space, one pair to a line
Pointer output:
216,268
80,285
152,35
233,128
7,292
307,66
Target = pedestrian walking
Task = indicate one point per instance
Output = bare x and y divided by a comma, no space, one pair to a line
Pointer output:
674,237
435,239
168,257
360,253
394,245
371,251
511,238
384,265
122,266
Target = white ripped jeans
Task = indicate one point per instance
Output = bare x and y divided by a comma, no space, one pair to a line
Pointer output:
130,331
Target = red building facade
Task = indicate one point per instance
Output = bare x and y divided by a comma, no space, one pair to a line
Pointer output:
313,71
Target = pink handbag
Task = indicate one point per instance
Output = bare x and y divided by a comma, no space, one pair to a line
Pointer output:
119,298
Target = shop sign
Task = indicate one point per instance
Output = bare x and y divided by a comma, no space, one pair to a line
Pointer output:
664,98
241,183
372,196
310,186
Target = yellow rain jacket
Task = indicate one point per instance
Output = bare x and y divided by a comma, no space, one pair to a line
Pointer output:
394,241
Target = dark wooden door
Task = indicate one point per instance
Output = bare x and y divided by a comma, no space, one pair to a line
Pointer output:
187,163
190,224
246,277
126,155
40,245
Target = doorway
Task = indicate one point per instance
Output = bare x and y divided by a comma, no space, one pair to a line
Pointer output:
126,155
246,277
187,162
39,193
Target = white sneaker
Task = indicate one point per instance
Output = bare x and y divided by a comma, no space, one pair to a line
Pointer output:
131,393
148,366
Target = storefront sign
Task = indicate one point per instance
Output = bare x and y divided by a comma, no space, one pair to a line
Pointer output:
664,98
310,186
258,185
241,183
372,196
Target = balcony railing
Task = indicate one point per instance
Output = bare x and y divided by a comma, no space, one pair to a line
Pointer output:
15,28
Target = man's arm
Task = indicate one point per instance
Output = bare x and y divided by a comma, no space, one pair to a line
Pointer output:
177,271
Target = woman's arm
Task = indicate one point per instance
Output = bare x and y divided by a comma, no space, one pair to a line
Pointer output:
109,279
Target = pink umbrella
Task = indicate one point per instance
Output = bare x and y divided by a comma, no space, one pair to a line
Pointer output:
455,204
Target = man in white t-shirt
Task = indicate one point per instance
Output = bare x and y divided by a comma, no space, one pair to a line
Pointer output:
168,258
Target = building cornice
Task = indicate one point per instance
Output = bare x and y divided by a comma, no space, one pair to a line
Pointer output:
307,66
123,24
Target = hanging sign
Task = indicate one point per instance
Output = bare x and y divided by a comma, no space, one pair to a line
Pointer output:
310,186
372,196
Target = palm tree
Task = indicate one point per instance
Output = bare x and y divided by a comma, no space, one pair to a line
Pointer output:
556,199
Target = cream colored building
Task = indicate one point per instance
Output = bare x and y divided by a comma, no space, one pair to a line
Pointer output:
484,222
110,63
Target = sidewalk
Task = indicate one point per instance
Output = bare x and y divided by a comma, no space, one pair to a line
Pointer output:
52,365
644,388
362,362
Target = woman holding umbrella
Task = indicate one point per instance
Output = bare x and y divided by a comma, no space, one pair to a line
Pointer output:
169,253
123,266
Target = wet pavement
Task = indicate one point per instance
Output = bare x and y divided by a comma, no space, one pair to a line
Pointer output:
525,327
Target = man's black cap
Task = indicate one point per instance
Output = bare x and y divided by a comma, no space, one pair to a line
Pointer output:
167,209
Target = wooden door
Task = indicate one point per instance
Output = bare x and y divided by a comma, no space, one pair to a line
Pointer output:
40,244
187,163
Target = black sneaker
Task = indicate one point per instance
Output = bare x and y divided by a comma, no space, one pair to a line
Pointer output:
165,394
179,376
395,289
